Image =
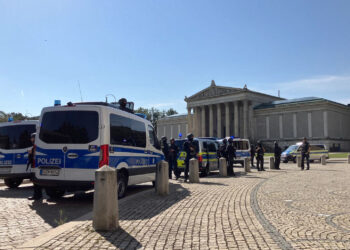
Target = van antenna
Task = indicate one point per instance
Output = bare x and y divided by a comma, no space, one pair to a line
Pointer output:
81,96
279,93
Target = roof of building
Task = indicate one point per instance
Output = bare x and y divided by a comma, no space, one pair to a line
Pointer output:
293,101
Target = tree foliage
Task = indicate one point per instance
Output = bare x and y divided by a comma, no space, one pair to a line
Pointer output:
154,114
16,116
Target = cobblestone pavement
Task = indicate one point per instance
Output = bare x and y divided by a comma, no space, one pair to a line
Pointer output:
283,209
22,219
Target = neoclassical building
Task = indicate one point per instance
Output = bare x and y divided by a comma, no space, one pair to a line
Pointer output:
219,111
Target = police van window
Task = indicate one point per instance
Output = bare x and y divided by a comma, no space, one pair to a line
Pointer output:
153,138
180,144
16,137
316,147
211,147
73,127
127,132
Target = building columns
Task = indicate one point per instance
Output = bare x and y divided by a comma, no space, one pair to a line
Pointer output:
211,121
203,125
245,119
218,112
236,119
189,119
227,119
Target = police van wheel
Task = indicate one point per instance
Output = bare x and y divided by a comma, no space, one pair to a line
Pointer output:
122,184
54,193
13,182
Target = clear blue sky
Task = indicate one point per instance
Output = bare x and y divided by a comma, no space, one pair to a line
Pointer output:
157,52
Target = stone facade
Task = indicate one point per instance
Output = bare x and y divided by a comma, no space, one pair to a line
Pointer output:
219,111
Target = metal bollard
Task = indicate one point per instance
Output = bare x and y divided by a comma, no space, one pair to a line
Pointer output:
223,167
247,165
105,210
162,178
323,160
299,161
194,171
272,163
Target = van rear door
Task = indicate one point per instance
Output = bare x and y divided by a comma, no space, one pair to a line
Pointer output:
71,138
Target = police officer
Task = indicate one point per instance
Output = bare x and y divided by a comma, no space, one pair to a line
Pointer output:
305,154
252,155
38,194
277,154
122,103
260,157
165,148
231,155
190,150
173,152
222,149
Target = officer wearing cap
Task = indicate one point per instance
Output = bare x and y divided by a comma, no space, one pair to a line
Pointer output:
190,149
231,155
37,195
277,154
305,154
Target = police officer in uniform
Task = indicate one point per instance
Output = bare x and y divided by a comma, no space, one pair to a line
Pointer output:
231,155
38,194
190,150
260,157
252,155
173,152
277,154
305,154
222,149
165,148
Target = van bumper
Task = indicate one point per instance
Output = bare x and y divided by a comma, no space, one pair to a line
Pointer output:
68,185
16,175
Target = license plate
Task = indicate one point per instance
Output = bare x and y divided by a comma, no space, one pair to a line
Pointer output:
5,170
50,172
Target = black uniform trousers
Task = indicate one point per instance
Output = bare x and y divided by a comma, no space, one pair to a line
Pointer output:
277,162
173,168
303,157
260,162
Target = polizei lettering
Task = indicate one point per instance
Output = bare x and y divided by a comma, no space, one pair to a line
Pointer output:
51,161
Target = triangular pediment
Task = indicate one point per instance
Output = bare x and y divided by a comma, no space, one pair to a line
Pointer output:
212,91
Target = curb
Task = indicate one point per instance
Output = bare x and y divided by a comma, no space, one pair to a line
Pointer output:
54,232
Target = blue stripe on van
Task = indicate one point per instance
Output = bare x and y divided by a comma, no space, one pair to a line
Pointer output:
54,157
13,158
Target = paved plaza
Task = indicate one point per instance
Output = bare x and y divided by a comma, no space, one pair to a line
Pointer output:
285,209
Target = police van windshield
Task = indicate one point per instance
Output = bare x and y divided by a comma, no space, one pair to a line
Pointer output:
241,145
16,137
291,148
74,127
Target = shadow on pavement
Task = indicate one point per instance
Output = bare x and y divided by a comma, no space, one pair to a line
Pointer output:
22,192
148,204
121,239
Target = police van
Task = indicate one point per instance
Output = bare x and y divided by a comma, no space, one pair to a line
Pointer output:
73,141
242,149
316,152
206,149
14,145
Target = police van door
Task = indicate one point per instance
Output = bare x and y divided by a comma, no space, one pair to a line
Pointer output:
69,139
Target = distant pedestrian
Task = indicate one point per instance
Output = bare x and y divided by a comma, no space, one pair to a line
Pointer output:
277,154
191,152
231,155
173,152
260,150
305,154
38,194
252,155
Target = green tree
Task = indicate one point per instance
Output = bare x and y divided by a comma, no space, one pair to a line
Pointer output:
171,111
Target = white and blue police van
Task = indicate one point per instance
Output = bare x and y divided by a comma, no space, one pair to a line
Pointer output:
242,149
14,145
73,141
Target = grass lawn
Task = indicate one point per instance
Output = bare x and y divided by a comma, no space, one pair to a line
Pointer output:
331,155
